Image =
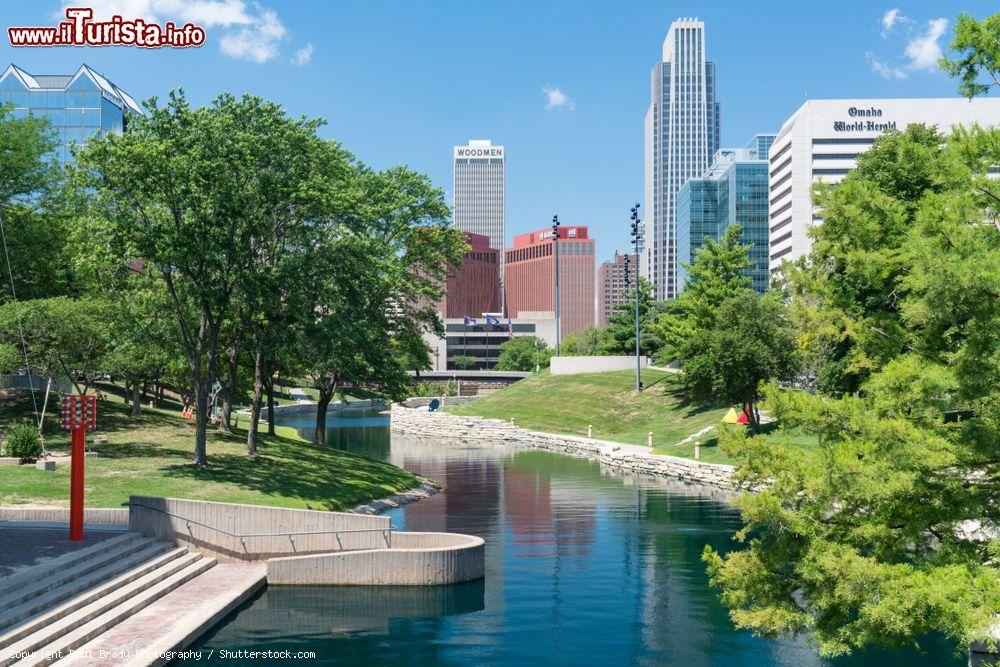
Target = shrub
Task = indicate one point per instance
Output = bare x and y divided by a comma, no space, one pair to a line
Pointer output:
23,442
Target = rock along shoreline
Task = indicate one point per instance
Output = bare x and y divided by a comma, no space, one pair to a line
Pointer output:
419,422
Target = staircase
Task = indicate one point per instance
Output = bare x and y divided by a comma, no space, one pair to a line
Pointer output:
59,606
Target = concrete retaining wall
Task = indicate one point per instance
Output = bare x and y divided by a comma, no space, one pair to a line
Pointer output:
290,409
415,559
424,401
578,365
479,430
193,521
107,516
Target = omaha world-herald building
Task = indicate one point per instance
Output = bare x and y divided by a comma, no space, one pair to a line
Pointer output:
821,143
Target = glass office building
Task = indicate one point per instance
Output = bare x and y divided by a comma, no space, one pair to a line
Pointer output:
78,106
681,136
733,190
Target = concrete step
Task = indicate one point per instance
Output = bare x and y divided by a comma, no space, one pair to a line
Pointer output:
30,576
57,640
175,621
46,609
48,580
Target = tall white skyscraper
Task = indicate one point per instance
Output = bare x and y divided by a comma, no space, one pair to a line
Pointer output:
681,136
479,190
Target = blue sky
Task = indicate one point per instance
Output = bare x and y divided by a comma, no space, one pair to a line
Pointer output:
402,82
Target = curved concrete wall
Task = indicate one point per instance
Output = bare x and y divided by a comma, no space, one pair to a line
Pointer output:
578,365
414,559
148,516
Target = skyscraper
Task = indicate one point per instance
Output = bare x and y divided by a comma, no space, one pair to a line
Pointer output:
78,106
732,190
479,190
681,136
530,285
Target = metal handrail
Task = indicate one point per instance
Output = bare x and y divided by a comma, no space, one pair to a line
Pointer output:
386,532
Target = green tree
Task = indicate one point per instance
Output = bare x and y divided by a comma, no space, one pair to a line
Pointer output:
64,337
978,44
751,342
588,342
204,197
854,277
883,533
523,353
619,334
33,226
719,271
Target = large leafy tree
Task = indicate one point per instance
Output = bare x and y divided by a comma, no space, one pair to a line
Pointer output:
751,341
719,271
387,262
66,338
202,196
886,531
523,353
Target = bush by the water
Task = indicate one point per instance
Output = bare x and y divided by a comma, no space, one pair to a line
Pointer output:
22,441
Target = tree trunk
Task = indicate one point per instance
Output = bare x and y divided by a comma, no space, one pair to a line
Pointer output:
201,392
136,402
228,391
127,394
258,391
325,396
270,400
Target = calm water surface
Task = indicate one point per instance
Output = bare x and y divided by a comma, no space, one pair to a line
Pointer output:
584,566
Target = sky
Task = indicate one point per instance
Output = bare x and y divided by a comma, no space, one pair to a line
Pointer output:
562,84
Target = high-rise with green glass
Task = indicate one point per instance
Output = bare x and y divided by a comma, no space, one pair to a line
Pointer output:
78,106
732,190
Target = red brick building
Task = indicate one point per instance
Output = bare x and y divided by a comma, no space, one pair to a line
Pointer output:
529,269
474,287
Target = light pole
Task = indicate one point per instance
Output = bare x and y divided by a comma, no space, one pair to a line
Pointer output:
636,238
537,367
555,252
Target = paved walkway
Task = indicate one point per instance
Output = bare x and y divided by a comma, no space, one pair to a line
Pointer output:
24,546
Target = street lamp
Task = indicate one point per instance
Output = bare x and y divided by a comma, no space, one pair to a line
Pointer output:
636,238
555,252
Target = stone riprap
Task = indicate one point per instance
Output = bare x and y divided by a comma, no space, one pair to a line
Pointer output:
423,490
418,422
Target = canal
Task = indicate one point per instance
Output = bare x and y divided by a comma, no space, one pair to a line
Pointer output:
584,566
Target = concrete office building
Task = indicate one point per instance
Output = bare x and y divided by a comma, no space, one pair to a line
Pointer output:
612,288
473,287
482,339
479,190
821,142
530,276
733,190
78,106
681,136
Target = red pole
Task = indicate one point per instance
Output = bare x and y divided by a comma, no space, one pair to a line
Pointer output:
76,484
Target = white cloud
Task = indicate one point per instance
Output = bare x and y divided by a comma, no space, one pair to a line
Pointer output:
303,55
556,99
889,19
883,68
924,50
248,31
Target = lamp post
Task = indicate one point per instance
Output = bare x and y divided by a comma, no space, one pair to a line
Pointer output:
636,238
555,253
78,415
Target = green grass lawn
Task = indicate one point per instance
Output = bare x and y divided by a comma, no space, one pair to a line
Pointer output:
150,455
566,404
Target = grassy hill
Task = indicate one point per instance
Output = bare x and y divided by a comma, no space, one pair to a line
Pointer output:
566,404
149,454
